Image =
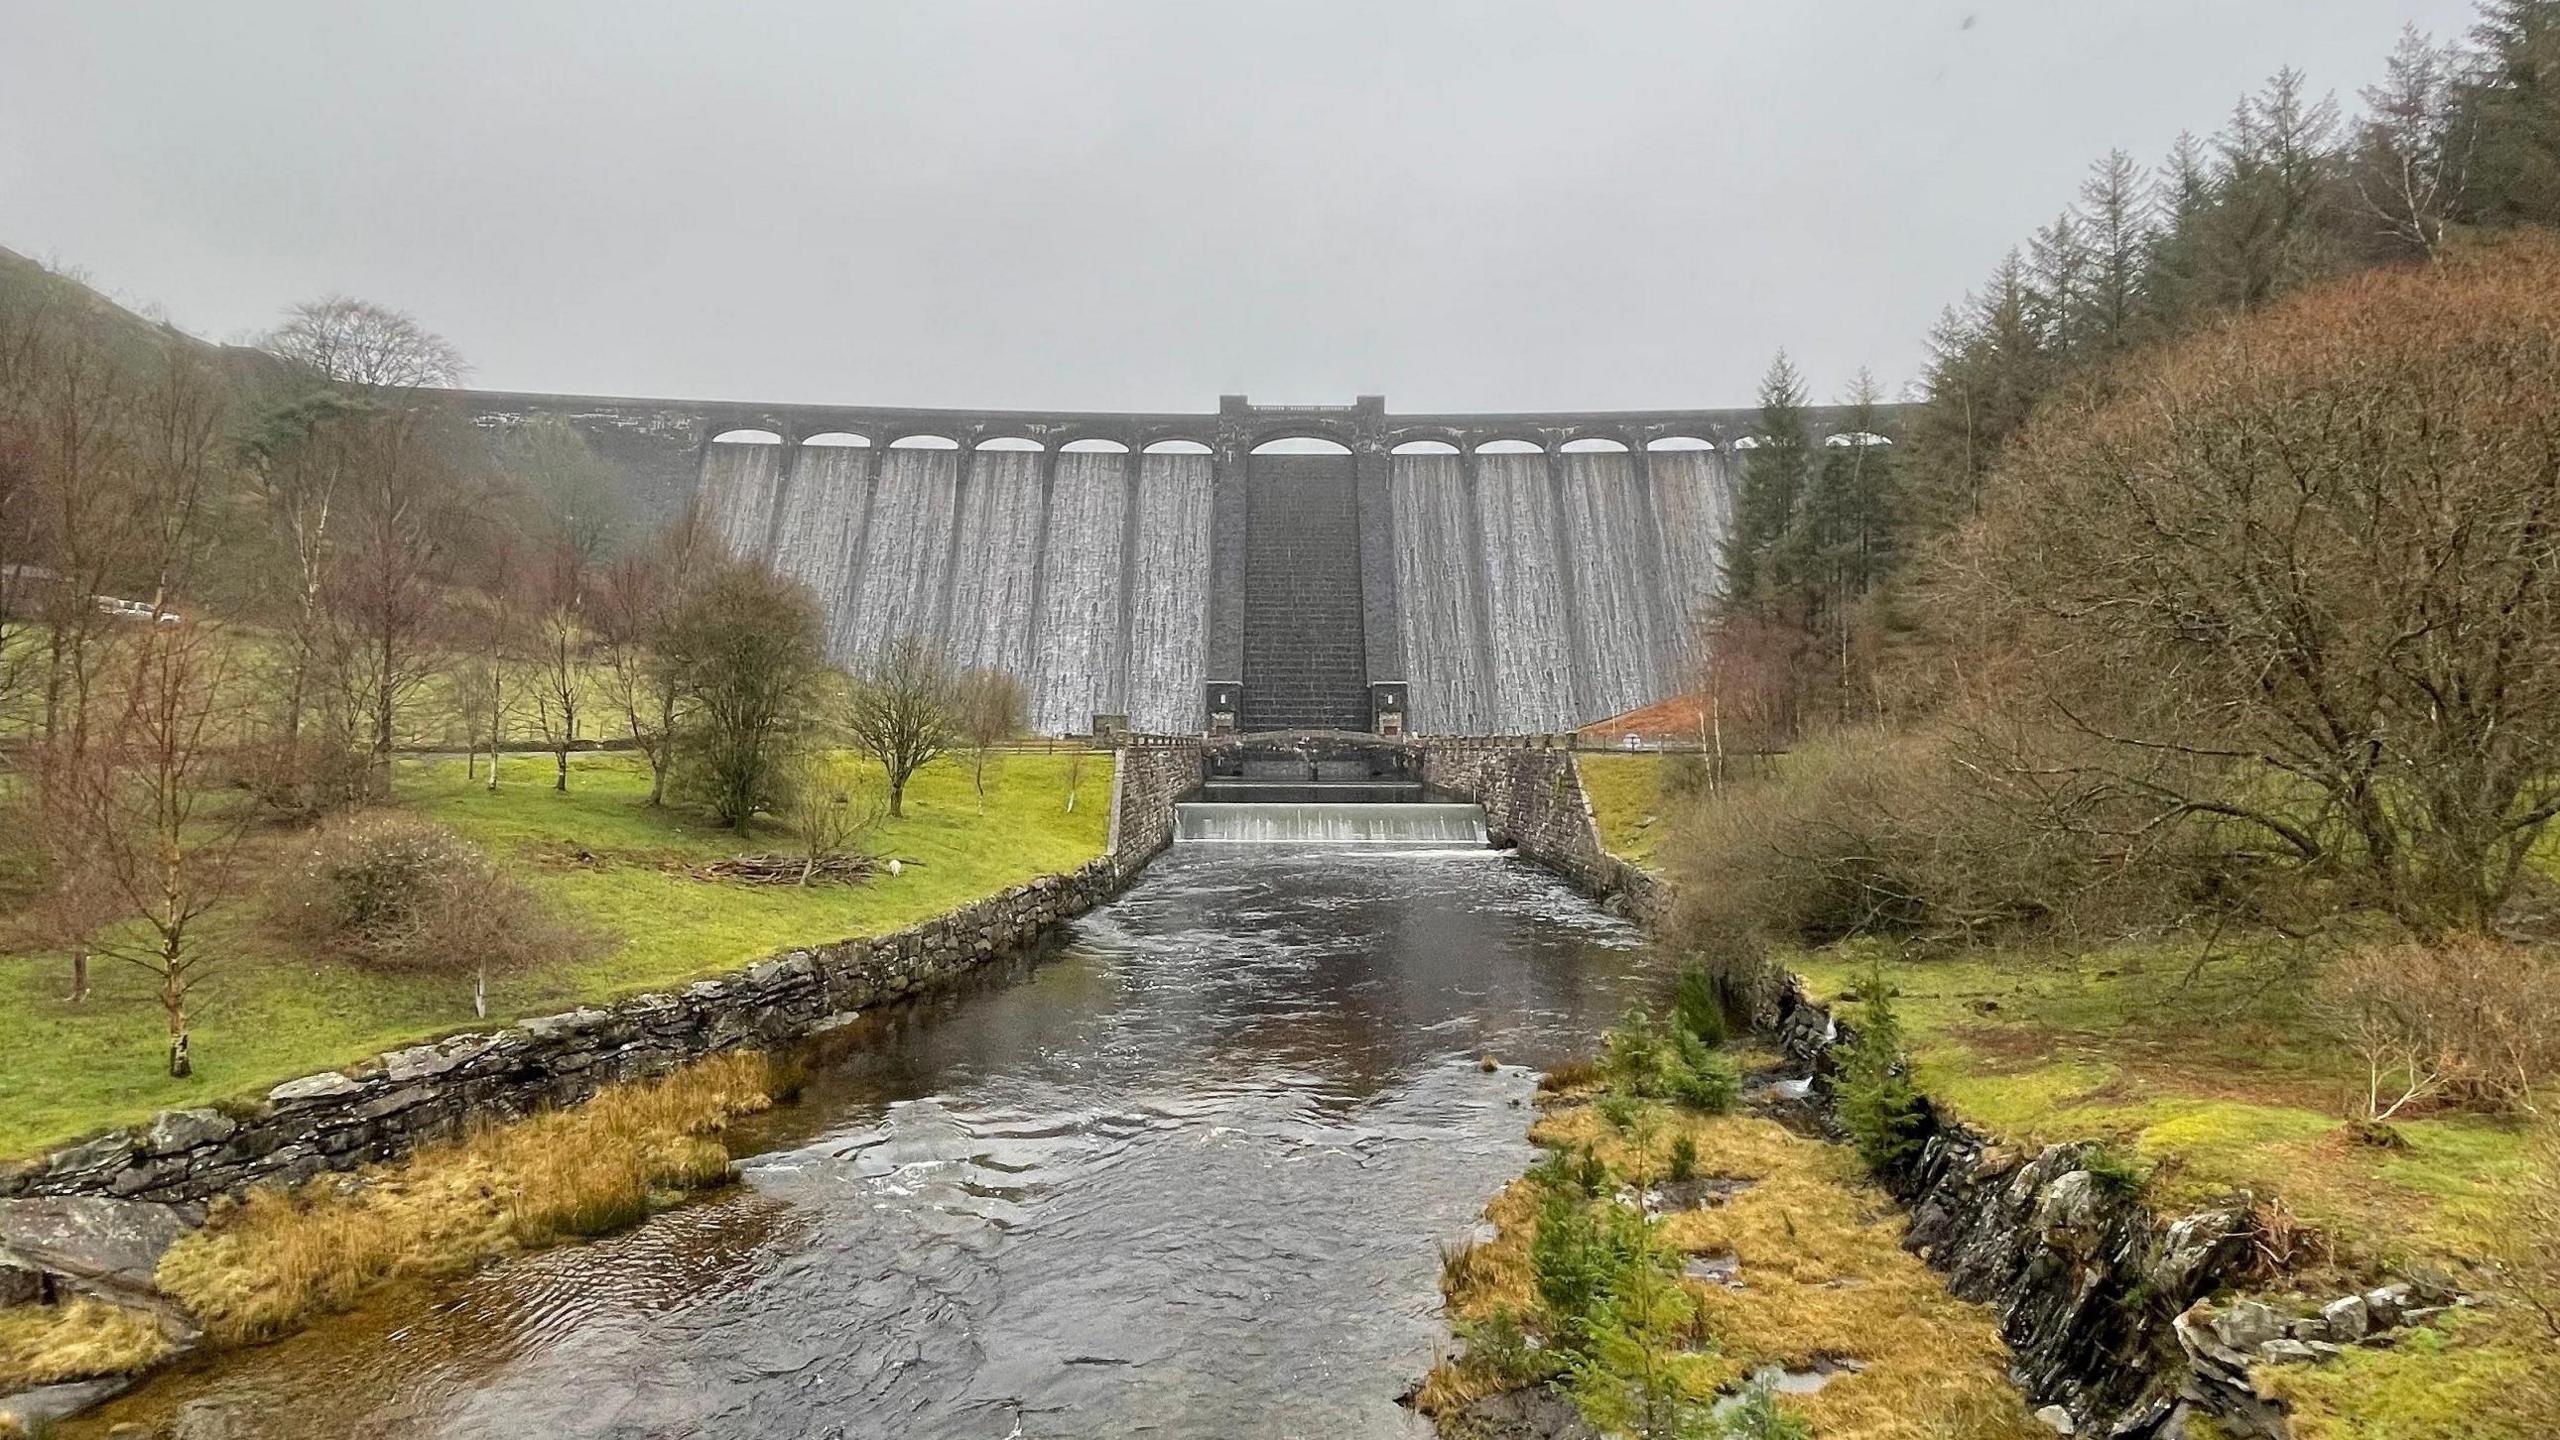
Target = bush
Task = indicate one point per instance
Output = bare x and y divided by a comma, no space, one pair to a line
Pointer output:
1684,1158
1699,1003
2463,1021
1642,1059
1885,1116
392,891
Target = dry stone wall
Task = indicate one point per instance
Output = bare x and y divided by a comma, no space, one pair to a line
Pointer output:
382,1107
1533,801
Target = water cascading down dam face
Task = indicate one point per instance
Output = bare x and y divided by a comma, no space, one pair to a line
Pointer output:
1537,574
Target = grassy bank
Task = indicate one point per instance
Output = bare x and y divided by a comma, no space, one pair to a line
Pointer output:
271,1262
609,863
1818,1280
1626,803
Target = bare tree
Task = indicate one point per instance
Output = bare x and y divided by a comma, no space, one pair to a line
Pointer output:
828,809
354,342
559,666
633,601
491,643
992,708
2413,149
2296,579
156,818
902,713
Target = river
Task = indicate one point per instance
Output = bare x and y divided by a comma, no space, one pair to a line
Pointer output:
1186,1174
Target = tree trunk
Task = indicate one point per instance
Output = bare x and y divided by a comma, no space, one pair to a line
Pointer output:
79,975
480,993
173,1000
898,799
560,755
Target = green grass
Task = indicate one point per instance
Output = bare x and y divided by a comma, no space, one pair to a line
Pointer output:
1626,802
268,1014
2220,1083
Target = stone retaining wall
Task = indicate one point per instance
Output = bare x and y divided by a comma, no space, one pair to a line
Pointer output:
1533,801
380,1108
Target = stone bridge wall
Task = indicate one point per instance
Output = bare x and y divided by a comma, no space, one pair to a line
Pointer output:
1533,801
383,1107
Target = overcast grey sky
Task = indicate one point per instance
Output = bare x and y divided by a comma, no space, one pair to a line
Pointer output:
1140,204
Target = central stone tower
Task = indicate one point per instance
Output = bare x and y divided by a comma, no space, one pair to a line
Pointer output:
1304,633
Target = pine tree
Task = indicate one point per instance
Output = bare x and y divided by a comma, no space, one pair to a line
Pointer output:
2510,102
1762,558
2116,225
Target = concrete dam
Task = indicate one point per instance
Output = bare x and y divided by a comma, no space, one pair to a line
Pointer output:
1258,568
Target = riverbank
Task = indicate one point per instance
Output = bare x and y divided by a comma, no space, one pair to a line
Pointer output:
602,858
274,1260
1779,1283
2197,1067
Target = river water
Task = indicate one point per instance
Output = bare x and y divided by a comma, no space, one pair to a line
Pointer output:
1184,1175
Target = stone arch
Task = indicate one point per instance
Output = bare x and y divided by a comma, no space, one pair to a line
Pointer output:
1510,445
746,437
924,440
1860,438
1179,445
1093,445
838,438
1301,443
1679,442
1009,442
1425,447
1593,445
1747,442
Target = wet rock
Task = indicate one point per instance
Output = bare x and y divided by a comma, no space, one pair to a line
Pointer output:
2288,1352
2347,1320
50,1404
111,1247
1723,1270
327,1085
174,1132
21,1283
1696,1194
2384,1304
2248,1325
2057,1420
203,1420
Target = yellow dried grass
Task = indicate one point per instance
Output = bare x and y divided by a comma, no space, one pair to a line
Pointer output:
264,1265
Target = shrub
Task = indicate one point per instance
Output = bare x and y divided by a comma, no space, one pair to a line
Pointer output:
1884,1115
1640,1058
1684,1158
388,890
2464,1021
1699,1004
1756,1416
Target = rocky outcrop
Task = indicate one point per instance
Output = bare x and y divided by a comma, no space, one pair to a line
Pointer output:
382,1107
64,1245
1533,802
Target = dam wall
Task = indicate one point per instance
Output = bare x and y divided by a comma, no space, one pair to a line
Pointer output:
1256,568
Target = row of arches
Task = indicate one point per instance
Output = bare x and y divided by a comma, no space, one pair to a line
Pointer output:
1287,445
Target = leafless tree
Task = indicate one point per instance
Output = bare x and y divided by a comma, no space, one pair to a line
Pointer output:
559,634
2297,578
2413,149
991,708
638,593
156,818
902,713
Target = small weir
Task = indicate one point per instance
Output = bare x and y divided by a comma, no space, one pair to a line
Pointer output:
1370,823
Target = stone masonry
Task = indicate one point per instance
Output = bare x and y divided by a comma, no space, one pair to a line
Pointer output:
382,1107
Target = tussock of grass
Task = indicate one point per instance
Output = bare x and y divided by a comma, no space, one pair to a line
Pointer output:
78,1340
1826,1276
263,1266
